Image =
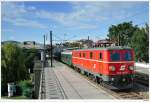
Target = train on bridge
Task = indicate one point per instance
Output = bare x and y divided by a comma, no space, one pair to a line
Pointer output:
113,66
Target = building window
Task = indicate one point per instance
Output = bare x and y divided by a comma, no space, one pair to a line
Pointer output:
100,56
91,55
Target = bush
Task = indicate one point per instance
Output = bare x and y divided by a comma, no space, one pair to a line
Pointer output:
26,87
28,93
18,90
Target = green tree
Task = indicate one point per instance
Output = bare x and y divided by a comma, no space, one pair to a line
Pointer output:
30,54
13,64
121,33
140,43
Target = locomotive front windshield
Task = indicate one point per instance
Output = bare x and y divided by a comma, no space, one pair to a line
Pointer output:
115,56
127,56
118,56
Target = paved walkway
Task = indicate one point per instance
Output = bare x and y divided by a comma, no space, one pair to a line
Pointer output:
68,84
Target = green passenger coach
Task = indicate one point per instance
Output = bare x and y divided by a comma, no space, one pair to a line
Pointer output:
66,57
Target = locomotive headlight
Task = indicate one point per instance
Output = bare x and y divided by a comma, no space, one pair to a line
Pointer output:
112,79
123,79
131,67
122,68
112,68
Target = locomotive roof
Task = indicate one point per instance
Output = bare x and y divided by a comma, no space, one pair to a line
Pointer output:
107,48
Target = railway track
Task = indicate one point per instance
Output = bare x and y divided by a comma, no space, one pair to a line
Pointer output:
125,94
142,78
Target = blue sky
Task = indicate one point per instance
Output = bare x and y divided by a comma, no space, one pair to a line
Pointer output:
25,21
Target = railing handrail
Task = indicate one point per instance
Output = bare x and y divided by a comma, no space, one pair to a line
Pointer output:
40,89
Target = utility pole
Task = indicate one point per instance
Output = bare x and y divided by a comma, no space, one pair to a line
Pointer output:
118,39
88,42
44,53
51,50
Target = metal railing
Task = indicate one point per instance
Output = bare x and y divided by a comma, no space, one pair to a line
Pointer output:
39,97
41,88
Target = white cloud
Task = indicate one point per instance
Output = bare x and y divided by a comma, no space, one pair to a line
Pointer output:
28,23
87,14
17,14
32,8
12,10
65,19
6,31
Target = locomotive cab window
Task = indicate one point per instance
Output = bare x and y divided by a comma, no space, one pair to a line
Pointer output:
100,56
91,55
127,56
115,56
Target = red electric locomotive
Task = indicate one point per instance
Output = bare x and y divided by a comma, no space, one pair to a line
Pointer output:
111,65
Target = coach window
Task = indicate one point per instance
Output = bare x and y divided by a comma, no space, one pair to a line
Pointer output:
91,55
100,56
80,54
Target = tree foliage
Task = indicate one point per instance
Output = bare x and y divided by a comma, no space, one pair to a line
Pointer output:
121,33
31,55
13,64
140,43
126,34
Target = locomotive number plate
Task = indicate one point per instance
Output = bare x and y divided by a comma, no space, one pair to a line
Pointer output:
122,72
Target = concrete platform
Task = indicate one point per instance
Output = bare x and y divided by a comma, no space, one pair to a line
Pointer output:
74,85
53,89
142,70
